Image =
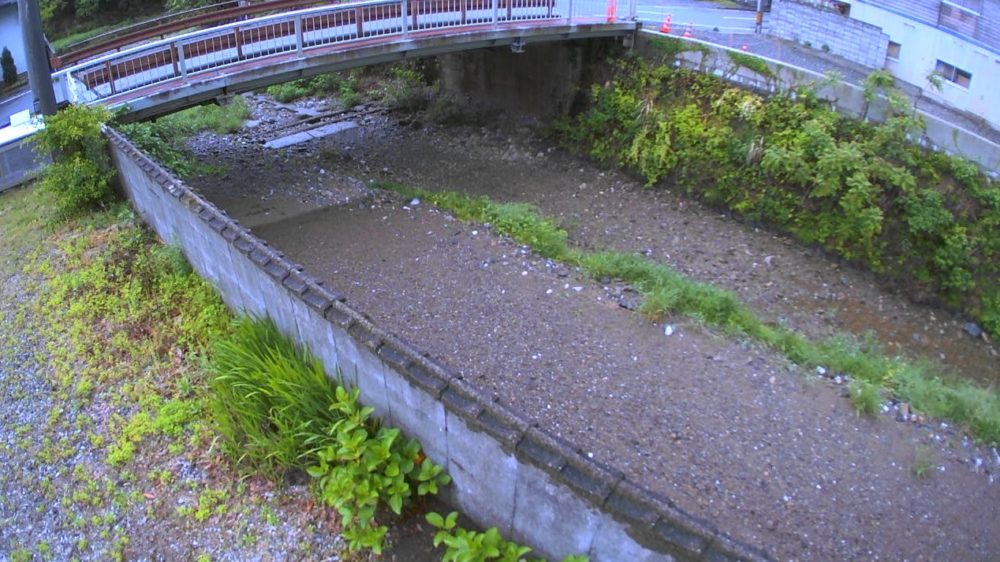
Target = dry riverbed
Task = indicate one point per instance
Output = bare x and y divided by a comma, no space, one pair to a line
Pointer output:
729,431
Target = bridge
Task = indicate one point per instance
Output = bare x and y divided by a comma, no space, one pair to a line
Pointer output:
152,78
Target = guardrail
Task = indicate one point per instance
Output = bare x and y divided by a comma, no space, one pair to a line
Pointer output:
299,31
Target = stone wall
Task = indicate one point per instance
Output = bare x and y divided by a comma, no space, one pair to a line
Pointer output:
845,37
537,489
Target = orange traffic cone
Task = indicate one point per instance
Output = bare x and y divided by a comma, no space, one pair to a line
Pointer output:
665,28
612,10
687,32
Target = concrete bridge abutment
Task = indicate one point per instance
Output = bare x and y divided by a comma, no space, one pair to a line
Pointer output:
545,80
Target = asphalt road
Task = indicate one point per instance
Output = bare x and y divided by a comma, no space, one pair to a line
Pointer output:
699,15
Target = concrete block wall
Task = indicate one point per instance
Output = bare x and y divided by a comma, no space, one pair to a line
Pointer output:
854,40
848,98
537,489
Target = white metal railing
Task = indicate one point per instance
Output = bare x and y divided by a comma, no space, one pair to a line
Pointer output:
298,31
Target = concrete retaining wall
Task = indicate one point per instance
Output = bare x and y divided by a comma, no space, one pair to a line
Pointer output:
848,98
537,489
546,80
854,40
19,163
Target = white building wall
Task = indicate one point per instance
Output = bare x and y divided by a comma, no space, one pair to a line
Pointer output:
10,36
923,45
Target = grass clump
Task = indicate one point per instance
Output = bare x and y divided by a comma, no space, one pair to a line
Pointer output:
865,396
520,221
665,291
344,86
165,138
267,395
278,410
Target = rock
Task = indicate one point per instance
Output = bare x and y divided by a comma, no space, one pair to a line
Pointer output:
972,329
668,329
904,412
629,299
416,201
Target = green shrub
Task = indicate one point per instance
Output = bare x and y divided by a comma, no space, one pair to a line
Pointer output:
859,190
80,174
366,467
404,89
8,66
322,84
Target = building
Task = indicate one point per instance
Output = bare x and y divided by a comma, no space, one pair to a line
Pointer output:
958,40
10,33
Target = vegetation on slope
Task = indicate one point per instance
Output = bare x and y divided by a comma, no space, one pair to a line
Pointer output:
924,220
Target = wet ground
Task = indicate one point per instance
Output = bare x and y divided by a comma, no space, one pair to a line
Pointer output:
727,430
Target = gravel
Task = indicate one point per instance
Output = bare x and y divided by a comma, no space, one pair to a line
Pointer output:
727,430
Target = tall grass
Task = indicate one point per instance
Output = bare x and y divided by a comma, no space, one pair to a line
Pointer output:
165,139
269,397
665,291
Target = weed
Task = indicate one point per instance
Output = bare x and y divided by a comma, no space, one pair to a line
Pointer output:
266,395
164,139
463,545
278,410
923,461
404,89
864,397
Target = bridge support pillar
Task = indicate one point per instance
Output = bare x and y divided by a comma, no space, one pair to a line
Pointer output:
546,80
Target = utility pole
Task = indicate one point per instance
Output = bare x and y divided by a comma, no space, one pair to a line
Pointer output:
39,75
759,19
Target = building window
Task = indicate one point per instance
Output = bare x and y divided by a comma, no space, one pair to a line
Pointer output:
960,15
952,74
842,8
893,50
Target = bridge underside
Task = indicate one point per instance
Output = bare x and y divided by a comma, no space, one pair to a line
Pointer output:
174,95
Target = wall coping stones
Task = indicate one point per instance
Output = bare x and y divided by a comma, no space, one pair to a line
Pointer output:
545,451
654,522
502,424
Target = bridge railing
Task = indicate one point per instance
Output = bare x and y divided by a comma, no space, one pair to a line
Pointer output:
293,33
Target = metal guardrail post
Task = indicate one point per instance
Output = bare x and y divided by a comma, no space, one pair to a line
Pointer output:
298,34
496,12
180,59
404,15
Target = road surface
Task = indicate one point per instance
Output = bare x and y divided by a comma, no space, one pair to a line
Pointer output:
699,15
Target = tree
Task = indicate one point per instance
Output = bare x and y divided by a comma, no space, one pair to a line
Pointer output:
9,68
